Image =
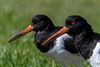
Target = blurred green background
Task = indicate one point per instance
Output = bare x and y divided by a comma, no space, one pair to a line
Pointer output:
15,15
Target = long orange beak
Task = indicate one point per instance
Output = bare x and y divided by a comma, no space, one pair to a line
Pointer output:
54,36
20,34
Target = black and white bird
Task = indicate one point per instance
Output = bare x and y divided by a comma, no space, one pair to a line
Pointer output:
86,40
62,49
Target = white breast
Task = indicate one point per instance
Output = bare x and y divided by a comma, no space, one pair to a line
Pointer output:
59,54
95,58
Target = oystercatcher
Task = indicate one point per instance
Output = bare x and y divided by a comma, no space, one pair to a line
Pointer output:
61,49
86,40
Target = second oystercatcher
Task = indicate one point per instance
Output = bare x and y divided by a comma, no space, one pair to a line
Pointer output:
61,49
86,41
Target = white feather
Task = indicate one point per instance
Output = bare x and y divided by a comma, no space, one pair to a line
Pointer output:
95,58
59,54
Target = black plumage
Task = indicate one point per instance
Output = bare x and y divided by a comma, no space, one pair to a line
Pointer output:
83,35
86,40
44,28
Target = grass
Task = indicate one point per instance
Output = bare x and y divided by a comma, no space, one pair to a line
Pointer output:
15,15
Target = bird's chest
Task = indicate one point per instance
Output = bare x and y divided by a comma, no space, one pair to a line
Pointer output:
41,37
60,54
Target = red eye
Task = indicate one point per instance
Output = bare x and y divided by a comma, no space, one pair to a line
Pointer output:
73,22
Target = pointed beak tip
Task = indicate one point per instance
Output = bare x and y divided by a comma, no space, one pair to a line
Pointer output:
20,34
9,41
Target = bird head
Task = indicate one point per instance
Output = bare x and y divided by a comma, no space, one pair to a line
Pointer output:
39,23
74,25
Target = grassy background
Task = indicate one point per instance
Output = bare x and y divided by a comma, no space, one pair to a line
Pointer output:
15,15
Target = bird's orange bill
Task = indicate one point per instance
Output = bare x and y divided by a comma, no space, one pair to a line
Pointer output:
55,35
20,34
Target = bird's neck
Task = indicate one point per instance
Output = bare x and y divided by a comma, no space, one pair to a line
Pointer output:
84,35
40,37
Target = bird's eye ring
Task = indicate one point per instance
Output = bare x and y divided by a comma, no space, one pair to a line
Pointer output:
73,22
